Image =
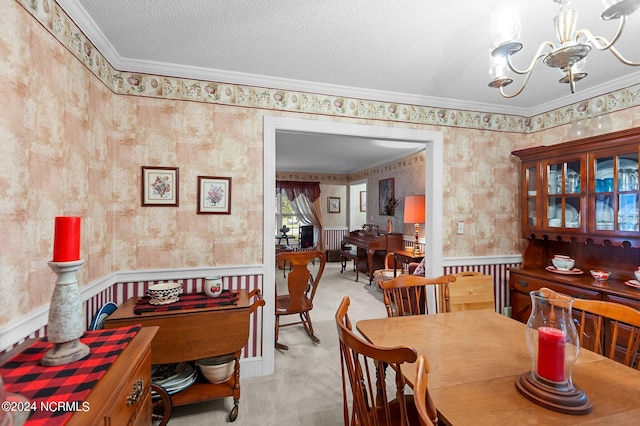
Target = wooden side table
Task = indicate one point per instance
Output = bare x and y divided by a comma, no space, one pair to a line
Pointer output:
192,334
405,257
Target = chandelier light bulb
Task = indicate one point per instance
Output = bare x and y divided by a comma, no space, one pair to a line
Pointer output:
505,26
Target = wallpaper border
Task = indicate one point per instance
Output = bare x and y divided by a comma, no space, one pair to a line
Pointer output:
60,25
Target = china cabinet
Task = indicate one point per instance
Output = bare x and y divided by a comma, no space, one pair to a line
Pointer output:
581,199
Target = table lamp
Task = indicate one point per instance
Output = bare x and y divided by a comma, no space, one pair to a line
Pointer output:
414,207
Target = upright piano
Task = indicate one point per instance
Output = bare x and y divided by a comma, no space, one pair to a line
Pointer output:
372,247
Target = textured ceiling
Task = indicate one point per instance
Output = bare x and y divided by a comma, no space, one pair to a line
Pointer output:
433,53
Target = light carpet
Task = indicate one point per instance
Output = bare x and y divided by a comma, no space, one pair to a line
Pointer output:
306,388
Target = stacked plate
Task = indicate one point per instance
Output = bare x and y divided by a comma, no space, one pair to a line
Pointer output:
174,377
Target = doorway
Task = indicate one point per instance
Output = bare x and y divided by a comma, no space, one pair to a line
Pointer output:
357,204
433,146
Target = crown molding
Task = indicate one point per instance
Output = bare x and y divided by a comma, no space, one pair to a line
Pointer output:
91,30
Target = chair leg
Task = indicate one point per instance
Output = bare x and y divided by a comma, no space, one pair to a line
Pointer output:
279,345
306,321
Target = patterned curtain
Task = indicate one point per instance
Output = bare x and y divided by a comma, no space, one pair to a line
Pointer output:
305,201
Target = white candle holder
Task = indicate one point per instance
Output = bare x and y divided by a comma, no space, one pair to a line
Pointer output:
66,317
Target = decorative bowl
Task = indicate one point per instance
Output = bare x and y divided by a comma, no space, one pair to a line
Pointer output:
600,275
217,369
637,274
164,293
563,263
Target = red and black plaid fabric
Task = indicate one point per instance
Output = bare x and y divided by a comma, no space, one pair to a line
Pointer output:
188,301
70,383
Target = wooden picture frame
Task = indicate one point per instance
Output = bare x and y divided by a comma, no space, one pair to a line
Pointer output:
385,193
214,195
363,201
333,204
160,186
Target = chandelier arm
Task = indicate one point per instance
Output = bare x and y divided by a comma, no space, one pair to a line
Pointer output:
599,42
602,43
622,59
524,84
538,56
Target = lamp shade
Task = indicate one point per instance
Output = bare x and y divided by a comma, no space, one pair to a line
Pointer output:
414,209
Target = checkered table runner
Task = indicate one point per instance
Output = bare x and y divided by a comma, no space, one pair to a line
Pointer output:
188,301
45,387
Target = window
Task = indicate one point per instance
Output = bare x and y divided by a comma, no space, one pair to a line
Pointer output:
286,217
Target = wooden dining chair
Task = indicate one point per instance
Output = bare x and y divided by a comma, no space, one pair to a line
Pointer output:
425,407
364,388
407,294
302,287
471,291
610,329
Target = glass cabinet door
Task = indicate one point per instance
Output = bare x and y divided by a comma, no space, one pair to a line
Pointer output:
616,193
564,195
531,184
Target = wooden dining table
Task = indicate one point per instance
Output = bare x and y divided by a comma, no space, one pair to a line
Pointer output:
475,358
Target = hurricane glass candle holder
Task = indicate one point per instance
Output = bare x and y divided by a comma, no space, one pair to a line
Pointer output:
553,343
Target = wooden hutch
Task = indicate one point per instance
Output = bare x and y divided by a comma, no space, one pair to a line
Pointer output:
582,199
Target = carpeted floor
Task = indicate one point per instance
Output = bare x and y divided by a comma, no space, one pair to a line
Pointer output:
306,388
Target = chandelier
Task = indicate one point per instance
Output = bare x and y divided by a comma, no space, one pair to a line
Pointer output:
568,56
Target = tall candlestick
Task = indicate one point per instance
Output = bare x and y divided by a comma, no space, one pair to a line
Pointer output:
551,343
66,317
66,239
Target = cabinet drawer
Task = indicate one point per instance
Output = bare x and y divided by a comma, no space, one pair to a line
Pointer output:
525,284
622,300
131,403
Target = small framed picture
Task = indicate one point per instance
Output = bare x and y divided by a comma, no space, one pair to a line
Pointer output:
160,186
214,195
333,204
363,201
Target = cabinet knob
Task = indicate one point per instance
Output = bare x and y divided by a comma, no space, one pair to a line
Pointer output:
523,283
136,392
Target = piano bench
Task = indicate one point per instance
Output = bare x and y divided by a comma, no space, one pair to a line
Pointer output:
332,255
345,256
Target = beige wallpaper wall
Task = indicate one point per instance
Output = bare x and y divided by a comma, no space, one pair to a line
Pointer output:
72,147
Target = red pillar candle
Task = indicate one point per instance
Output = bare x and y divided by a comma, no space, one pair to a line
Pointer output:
551,342
66,239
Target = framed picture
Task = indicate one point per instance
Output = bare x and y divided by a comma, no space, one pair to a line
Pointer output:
385,193
214,195
363,201
333,204
160,186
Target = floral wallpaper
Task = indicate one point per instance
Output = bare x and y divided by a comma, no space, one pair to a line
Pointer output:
75,134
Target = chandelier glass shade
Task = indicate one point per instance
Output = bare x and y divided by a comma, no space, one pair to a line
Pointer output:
567,54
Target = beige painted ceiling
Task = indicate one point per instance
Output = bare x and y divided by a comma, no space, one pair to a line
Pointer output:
433,53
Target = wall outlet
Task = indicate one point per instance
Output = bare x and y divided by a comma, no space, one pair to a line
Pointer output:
460,228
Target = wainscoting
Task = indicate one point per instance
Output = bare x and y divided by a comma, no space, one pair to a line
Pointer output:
494,266
111,289
490,265
119,287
